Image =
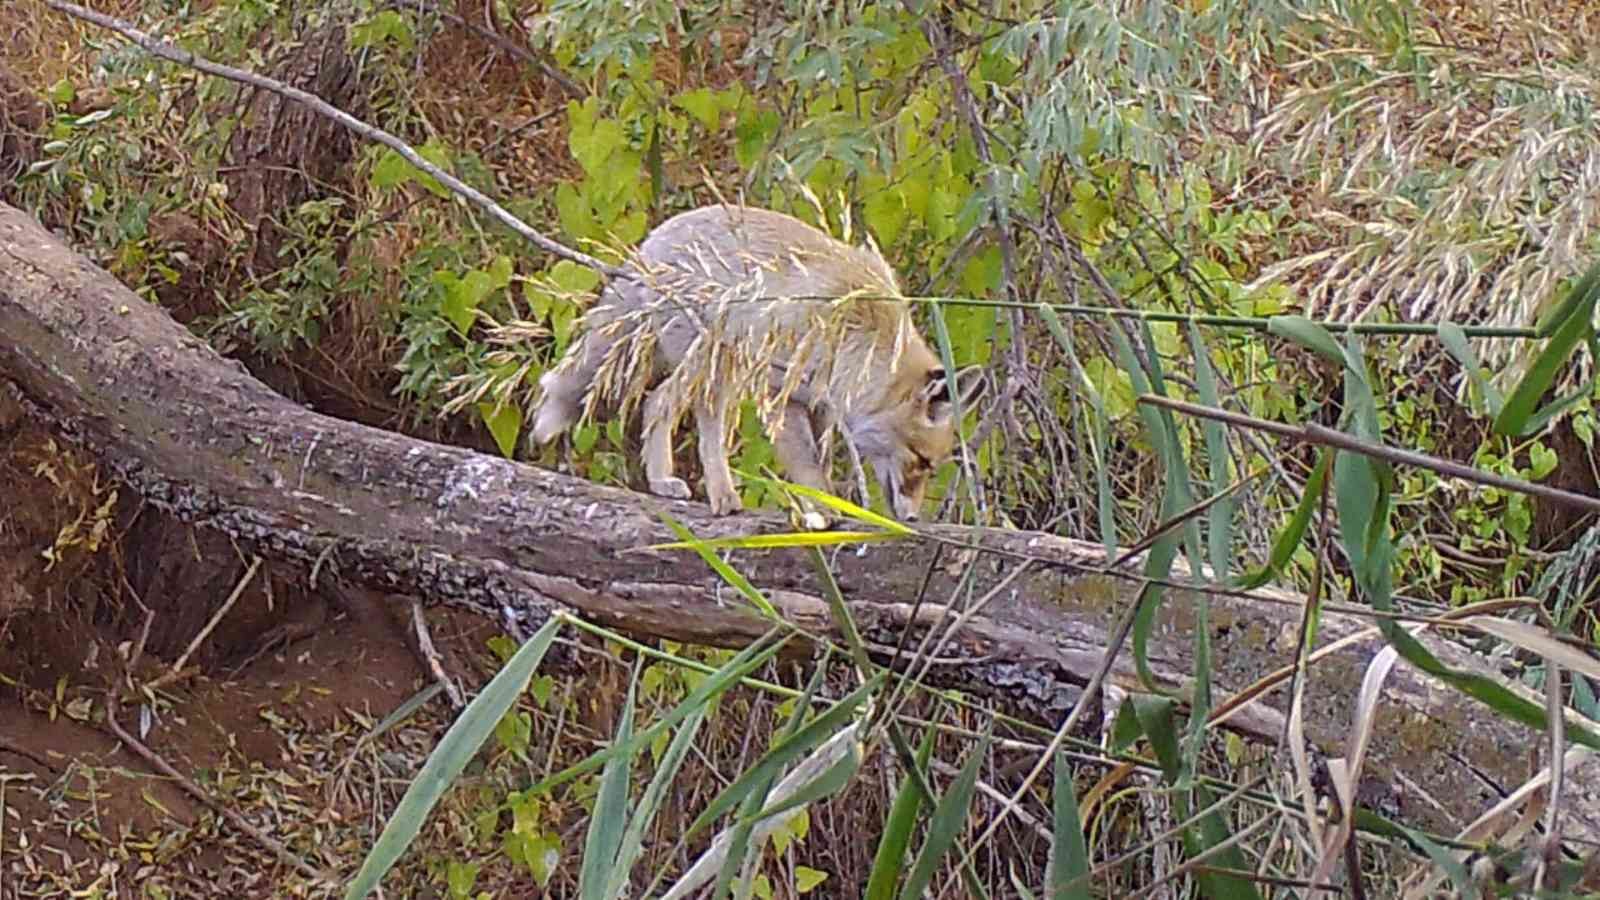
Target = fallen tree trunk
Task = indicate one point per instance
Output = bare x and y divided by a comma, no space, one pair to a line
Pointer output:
197,436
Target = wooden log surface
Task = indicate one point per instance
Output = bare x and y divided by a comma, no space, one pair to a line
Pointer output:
196,435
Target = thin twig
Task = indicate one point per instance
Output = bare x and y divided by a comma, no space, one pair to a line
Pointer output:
233,598
1554,714
234,818
1321,434
321,107
430,656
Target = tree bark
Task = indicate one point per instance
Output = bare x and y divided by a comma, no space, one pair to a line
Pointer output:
197,436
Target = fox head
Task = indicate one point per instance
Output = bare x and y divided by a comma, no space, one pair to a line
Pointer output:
907,438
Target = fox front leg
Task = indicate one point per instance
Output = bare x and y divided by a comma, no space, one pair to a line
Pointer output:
661,415
794,443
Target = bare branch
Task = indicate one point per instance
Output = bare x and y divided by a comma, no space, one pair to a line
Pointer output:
1320,434
183,57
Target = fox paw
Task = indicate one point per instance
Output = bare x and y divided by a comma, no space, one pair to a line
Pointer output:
815,521
676,488
725,504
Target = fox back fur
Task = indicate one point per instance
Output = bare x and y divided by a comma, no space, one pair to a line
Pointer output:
730,303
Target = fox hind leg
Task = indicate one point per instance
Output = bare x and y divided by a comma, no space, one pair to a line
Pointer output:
711,421
661,414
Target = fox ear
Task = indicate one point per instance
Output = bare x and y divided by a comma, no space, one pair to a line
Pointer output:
968,385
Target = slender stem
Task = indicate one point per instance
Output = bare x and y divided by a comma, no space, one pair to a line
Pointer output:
1256,323
1319,434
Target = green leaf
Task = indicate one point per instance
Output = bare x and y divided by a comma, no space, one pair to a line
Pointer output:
575,213
1288,540
703,104
755,127
62,93
774,761
890,858
727,572
983,273
884,213
1541,461
1517,417
1455,342
447,761
807,878
500,272
1307,334
1069,854
393,170
463,296
593,146
505,423
949,816
609,820
573,278
388,25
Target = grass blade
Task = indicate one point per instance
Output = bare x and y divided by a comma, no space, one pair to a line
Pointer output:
726,572
1156,717
1158,562
949,817
609,819
825,785
1219,521
774,541
1517,417
772,763
748,660
908,800
459,745
1288,540
838,505
1579,301
1455,343
1307,334
1106,501
1069,855
650,803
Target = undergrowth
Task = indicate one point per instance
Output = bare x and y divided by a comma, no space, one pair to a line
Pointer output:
1061,201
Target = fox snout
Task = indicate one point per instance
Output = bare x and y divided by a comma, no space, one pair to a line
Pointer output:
903,487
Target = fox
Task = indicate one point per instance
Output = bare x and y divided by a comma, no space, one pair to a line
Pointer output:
731,303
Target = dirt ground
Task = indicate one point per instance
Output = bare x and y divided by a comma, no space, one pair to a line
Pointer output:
270,729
